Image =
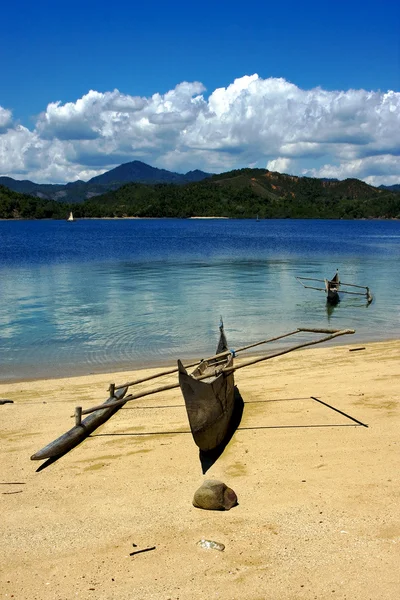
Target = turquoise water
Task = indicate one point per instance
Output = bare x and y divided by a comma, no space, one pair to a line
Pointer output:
96,295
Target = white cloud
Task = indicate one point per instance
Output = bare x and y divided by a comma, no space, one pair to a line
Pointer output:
375,170
280,165
5,119
253,121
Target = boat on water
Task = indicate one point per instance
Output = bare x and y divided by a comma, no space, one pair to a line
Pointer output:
209,395
332,289
71,217
334,286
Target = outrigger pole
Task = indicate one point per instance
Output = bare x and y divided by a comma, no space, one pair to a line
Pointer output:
221,354
367,293
83,428
332,333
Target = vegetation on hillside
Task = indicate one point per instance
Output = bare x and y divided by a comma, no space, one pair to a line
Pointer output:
14,205
243,193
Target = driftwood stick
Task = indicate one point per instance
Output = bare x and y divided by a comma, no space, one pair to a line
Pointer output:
140,551
281,352
12,483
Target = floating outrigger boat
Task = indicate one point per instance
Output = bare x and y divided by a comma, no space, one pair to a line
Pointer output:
334,286
332,289
209,408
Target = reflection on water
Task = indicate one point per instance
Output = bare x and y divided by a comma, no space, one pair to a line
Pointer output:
114,295
329,310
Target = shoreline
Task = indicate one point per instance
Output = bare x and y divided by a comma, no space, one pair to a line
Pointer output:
124,218
317,492
139,365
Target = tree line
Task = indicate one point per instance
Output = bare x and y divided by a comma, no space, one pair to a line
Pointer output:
239,194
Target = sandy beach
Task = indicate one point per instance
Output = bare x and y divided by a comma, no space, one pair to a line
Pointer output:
318,514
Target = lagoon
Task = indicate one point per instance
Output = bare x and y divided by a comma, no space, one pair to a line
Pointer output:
100,295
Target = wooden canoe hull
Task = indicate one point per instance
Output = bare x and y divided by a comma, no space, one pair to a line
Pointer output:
332,289
332,297
209,406
77,434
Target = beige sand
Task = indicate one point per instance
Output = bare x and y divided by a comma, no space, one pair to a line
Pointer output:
318,513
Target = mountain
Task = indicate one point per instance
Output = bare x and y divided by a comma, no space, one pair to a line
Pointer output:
392,188
78,191
29,187
139,172
246,193
240,194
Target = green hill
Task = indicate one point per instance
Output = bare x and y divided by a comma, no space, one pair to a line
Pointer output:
243,193
246,193
14,205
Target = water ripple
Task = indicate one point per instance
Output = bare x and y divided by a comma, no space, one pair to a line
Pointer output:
149,303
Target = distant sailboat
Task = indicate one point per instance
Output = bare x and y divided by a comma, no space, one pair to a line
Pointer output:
71,217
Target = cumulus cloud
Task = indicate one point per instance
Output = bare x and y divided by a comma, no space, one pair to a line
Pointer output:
375,170
252,122
5,119
281,165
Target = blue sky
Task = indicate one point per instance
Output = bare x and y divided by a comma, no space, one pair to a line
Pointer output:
311,92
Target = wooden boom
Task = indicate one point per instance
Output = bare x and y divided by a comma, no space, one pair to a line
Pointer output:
332,333
222,354
304,345
117,399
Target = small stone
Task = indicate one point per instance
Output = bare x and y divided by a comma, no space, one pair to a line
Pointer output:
214,495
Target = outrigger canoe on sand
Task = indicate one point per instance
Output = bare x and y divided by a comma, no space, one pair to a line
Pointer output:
209,396
209,408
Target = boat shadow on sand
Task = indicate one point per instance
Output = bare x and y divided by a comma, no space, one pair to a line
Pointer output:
207,459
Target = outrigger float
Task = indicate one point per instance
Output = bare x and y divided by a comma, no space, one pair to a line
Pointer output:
208,393
334,286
